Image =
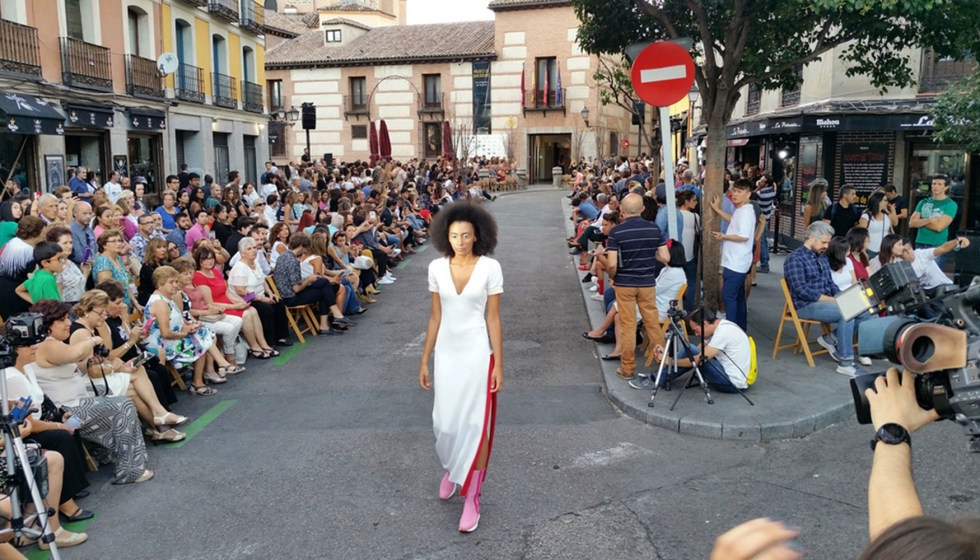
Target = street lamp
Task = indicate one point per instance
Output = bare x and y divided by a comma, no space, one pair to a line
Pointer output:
293,114
694,94
281,114
585,116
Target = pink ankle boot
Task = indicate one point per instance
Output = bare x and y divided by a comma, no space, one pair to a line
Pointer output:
446,488
471,508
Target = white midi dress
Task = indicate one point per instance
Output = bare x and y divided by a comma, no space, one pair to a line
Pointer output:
464,410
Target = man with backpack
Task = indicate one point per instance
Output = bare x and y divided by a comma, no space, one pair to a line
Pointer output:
842,216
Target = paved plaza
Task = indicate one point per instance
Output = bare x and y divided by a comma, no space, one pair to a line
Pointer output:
329,454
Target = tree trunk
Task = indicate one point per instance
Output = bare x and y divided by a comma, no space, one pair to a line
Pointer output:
714,180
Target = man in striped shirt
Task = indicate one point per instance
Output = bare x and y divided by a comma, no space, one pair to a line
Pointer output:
765,194
632,251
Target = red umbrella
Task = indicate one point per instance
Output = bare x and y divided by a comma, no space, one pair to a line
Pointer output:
373,141
385,147
447,142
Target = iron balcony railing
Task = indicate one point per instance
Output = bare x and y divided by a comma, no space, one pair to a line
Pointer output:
189,84
937,73
253,16
227,9
225,91
432,102
201,3
356,105
19,55
545,101
85,65
254,103
143,78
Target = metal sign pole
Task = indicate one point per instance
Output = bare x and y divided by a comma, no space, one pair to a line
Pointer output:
668,174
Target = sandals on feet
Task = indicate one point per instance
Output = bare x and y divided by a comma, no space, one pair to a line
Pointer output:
214,378
162,420
168,436
260,354
271,352
229,370
203,390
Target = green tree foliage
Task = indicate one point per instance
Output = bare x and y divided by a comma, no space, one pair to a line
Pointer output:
957,113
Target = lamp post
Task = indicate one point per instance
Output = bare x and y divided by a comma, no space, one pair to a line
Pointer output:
585,116
692,97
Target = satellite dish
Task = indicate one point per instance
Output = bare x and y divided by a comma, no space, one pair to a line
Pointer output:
167,63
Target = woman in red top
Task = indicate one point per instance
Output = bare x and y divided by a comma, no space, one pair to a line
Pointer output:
859,240
212,284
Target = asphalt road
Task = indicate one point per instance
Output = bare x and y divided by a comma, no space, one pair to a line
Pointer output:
330,454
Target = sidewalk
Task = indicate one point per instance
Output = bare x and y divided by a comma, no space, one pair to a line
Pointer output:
791,399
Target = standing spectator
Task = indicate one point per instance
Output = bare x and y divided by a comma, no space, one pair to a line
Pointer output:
112,188
842,216
82,235
933,216
808,277
898,205
632,250
687,201
172,184
78,186
766,196
879,220
183,177
816,202
47,208
736,252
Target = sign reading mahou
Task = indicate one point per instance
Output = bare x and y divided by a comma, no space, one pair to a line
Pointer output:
481,97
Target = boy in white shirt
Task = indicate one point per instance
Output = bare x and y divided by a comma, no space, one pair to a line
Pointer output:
736,251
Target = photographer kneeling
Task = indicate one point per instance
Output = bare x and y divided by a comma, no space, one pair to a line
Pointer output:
727,354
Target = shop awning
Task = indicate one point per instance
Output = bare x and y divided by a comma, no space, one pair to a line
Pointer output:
26,114
807,124
147,119
90,116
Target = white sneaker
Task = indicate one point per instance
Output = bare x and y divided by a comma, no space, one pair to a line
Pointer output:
385,281
864,361
595,281
597,297
396,251
594,289
390,276
850,370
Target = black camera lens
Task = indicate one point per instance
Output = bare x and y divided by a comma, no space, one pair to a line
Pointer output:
101,351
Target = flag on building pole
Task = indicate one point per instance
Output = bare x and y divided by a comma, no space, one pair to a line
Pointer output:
547,97
534,87
558,96
523,93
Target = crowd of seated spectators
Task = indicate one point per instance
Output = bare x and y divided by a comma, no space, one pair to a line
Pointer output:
141,291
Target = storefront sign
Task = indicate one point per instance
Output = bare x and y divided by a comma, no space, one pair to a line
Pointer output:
147,119
831,123
481,96
90,117
864,167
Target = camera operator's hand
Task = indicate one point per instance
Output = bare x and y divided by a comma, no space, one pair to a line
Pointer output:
759,539
893,401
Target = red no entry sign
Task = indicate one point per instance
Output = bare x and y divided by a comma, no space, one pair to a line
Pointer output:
626,143
663,74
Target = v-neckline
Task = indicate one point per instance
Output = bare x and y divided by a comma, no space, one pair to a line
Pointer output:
459,293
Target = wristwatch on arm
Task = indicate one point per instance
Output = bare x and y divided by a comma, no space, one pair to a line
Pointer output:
891,434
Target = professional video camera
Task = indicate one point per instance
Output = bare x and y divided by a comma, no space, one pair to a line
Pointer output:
935,334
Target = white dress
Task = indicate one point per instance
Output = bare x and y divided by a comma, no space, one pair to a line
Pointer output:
464,410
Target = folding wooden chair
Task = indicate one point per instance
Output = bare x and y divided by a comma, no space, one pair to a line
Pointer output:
802,329
178,379
296,313
93,466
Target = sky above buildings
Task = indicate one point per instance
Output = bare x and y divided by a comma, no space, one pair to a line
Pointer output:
443,11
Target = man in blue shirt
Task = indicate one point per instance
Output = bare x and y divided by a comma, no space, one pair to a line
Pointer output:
807,275
633,249
585,210
79,186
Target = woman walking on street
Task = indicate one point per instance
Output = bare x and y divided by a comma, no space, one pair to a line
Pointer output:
466,287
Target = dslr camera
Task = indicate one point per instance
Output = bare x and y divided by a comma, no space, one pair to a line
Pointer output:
934,334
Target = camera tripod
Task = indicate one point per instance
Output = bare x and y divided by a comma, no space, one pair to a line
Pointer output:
18,461
674,338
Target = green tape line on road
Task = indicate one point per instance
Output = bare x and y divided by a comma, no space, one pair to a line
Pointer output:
284,357
421,248
36,553
196,426
403,264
